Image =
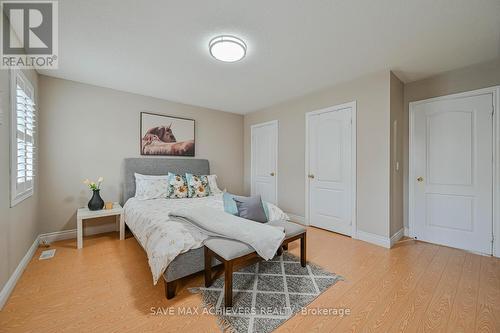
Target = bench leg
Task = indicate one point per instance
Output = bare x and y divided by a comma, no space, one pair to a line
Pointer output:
170,289
285,247
303,260
208,268
228,283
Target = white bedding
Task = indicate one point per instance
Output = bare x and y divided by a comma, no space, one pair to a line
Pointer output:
265,239
164,239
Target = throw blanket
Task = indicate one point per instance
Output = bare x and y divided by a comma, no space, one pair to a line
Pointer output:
265,239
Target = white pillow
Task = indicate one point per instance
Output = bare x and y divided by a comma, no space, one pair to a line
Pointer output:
212,183
150,187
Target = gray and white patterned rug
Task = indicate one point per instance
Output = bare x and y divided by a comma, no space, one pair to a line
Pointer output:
266,294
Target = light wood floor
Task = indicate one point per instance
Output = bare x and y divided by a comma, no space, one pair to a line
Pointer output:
107,287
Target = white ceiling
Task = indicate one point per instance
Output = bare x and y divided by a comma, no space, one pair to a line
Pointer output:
160,48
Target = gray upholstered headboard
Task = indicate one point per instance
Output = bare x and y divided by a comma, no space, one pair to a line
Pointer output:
159,166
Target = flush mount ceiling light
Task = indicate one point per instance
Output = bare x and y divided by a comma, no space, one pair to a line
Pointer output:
227,48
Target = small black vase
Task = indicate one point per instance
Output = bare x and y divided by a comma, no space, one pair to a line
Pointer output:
96,202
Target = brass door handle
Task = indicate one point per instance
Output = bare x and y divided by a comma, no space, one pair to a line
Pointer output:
272,174
311,176
420,179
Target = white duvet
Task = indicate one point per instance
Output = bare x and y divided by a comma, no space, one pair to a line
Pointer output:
162,238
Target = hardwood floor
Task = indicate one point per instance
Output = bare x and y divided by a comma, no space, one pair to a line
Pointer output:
107,287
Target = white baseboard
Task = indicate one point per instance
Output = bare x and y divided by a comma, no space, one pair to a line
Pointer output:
49,238
397,236
373,238
57,236
11,283
69,234
297,218
407,232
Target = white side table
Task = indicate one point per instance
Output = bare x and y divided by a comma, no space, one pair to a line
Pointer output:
87,214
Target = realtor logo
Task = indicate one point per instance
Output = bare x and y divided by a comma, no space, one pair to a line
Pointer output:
29,34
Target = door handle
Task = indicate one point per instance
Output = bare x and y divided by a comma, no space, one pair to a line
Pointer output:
272,174
311,176
420,179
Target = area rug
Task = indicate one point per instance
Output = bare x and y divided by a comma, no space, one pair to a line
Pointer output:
266,294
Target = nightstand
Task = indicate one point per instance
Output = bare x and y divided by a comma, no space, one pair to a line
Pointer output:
84,214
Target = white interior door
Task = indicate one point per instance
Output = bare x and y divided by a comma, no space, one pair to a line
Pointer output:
265,161
453,172
330,169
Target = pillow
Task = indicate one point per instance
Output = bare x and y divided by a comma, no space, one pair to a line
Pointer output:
251,208
177,186
212,184
150,187
197,186
231,207
229,204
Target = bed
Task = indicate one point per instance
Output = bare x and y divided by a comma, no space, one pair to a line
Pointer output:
174,249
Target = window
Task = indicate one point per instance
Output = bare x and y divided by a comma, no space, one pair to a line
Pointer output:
23,118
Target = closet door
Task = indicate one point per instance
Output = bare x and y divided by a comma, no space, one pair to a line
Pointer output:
264,161
330,170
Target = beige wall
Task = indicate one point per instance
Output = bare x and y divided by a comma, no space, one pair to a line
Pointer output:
397,109
87,131
373,155
473,77
18,225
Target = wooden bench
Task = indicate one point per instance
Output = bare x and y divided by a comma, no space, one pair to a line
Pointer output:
232,252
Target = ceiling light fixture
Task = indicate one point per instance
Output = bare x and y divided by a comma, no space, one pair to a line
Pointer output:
227,48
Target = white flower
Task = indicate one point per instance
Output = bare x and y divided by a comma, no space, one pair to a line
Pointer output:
86,182
100,180
181,192
200,191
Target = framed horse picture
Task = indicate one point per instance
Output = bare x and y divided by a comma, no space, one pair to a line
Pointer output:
167,135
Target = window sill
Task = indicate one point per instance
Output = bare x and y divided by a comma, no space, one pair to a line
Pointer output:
20,198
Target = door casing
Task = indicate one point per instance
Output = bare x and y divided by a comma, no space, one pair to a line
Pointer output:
352,106
495,92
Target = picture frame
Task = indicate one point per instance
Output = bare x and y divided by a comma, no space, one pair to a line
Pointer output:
165,135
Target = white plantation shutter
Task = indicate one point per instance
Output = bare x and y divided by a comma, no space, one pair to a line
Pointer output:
23,137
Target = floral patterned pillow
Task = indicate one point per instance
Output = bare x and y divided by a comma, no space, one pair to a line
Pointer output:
197,186
177,186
